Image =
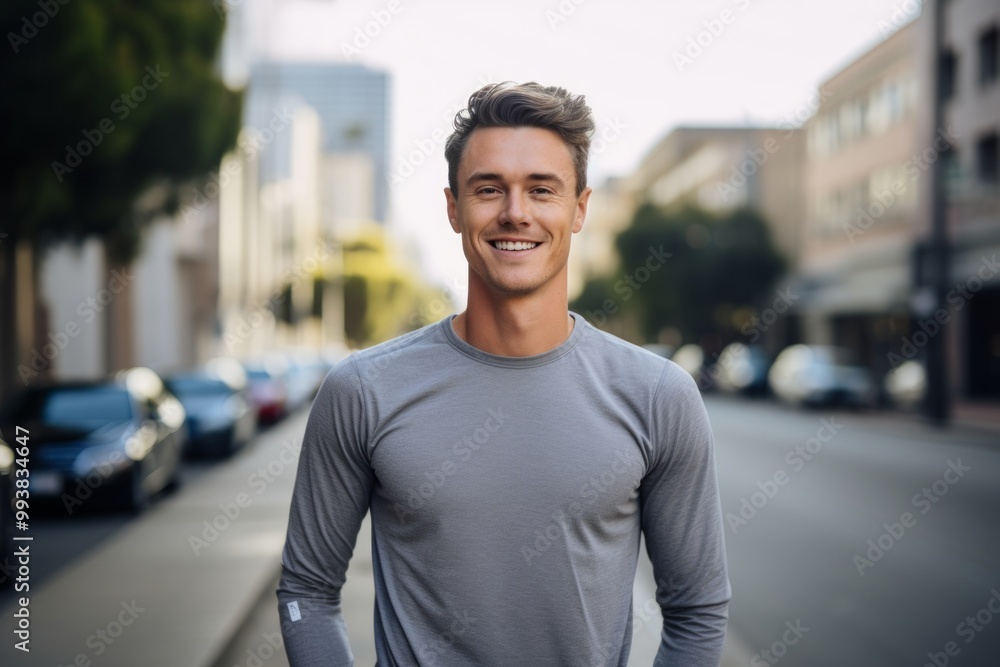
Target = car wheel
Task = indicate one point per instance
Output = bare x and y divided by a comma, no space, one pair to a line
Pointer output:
175,482
227,444
138,498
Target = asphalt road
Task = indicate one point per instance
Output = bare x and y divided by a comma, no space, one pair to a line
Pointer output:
880,548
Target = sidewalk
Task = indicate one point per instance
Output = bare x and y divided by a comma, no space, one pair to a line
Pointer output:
154,595
981,416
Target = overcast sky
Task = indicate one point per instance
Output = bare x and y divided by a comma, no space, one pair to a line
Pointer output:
644,66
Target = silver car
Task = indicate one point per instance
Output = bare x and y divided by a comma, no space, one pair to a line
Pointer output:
821,375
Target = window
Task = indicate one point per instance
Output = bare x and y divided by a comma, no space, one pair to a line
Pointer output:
989,57
848,122
894,101
951,165
892,187
878,110
987,154
949,71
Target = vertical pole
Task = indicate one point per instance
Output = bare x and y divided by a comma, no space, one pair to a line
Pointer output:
936,406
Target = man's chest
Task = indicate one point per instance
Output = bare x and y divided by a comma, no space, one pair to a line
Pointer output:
515,460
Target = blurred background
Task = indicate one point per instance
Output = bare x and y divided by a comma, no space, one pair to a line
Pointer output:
207,204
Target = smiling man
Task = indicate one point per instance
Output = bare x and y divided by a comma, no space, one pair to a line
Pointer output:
511,455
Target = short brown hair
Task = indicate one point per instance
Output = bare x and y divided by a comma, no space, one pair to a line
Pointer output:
510,104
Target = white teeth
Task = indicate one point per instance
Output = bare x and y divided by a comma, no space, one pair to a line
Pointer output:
515,245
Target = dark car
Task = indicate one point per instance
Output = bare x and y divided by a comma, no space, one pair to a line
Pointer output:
221,417
121,441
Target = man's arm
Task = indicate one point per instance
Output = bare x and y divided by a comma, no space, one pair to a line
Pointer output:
332,489
682,524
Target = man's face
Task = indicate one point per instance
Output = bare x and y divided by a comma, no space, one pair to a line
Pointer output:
516,185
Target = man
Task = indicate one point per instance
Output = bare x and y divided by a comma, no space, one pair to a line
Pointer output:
510,455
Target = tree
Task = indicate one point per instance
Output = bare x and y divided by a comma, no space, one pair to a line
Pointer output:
111,107
717,267
383,297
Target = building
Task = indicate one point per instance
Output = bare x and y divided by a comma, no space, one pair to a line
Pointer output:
275,256
592,251
862,176
723,168
304,179
352,102
970,89
158,311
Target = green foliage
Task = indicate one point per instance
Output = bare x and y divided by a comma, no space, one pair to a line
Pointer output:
75,80
383,296
357,327
718,265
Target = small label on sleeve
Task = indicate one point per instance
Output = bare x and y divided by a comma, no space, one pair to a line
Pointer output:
293,611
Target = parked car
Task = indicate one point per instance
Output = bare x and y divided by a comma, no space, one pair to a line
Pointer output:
305,373
268,388
906,385
120,440
665,351
821,375
221,416
742,369
691,358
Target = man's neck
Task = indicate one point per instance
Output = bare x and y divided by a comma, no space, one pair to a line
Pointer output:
515,326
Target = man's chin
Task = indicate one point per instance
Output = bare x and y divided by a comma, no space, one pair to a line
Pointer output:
511,288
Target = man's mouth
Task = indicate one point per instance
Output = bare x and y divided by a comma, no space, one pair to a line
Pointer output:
513,245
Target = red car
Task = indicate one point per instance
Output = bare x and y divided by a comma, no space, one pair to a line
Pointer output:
268,390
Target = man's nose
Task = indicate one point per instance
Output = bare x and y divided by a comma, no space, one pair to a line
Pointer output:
515,210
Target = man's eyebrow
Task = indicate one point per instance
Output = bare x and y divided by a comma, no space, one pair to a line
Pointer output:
489,176
481,176
546,177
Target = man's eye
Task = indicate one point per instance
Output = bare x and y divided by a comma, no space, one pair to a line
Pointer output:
542,191
488,190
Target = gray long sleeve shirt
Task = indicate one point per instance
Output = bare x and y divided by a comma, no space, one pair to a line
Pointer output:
507,495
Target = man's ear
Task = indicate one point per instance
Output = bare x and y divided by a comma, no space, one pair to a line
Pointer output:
452,207
581,209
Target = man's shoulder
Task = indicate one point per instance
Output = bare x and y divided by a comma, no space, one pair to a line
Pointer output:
414,344
637,363
619,351
366,367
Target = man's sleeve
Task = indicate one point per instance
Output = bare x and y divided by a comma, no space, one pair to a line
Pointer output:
330,499
683,528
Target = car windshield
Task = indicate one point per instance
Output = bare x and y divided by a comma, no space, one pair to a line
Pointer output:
834,356
86,407
198,386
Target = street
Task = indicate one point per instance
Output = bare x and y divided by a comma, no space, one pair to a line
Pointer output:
804,558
